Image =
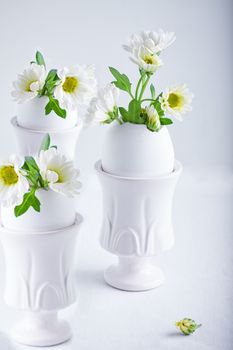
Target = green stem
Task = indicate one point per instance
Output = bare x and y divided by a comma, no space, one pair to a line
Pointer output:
137,88
119,121
144,87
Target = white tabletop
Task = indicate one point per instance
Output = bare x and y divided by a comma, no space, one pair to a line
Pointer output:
198,282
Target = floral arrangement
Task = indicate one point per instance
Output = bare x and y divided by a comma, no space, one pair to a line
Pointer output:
21,178
154,111
65,88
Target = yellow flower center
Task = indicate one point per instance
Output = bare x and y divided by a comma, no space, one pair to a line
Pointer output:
59,174
175,100
8,175
70,84
28,86
149,59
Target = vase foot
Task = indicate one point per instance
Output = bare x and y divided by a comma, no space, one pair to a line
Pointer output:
41,329
134,274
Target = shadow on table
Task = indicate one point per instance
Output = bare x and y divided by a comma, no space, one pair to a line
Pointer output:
174,334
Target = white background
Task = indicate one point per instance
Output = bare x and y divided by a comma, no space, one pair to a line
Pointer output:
199,269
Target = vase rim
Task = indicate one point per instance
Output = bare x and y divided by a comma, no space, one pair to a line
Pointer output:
15,124
78,221
176,172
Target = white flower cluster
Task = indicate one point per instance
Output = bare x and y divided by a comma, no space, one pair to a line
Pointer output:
103,105
146,48
57,172
13,183
75,85
175,101
71,86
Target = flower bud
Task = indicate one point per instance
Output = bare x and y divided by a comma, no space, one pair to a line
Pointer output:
153,121
187,326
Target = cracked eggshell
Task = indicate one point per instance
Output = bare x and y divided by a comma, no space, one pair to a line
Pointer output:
131,150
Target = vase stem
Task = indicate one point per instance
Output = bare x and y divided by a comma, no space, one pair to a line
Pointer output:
134,273
41,329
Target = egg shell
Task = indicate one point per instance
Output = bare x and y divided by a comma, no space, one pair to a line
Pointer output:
56,212
31,115
131,150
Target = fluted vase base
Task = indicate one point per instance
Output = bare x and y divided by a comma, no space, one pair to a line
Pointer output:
134,274
41,329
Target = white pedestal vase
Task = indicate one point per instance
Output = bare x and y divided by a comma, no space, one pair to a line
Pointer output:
39,281
29,140
138,175
136,226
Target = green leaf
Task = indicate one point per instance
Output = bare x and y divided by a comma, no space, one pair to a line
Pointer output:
50,83
53,105
40,59
152,91
36,204
122,81
48,107
124,114
111,116
29,200
158,107
134,108
166,121
134,112
33,179
32,170
108,121
52,75
31,162
45,143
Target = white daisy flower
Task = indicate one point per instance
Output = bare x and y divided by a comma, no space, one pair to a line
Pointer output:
59,172
13,183
103,106
152,41
146,60
153,121
176,101
29,83
77,86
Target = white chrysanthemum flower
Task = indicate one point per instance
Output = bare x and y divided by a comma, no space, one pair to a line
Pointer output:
154,42
146,46
13,183
77,86
176,101
103,106
153,121
146,60
29,83
59,172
